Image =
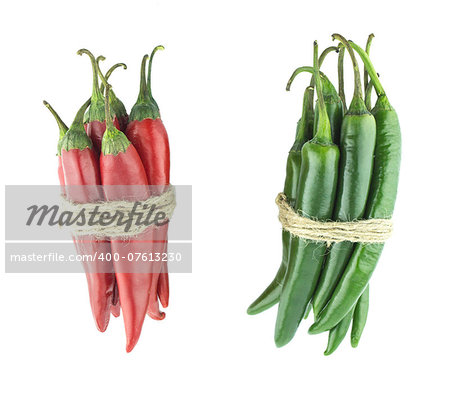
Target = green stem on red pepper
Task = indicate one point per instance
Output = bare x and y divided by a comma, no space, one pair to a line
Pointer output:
61,125
97,109
109,72
153,103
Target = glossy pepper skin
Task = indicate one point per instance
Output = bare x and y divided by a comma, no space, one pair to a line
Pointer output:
360,317
271,295
95,121
380,204
115,306
355,171
361,310
121,121
337,334
123,177
80,168
147,133
315,198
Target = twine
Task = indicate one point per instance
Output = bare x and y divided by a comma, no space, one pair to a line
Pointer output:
364,231
165,203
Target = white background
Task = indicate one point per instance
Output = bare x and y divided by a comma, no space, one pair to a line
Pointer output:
220,86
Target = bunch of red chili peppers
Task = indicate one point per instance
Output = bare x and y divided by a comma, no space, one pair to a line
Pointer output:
343,166
105,146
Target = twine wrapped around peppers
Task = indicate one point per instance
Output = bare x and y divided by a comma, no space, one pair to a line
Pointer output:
375,230
164,203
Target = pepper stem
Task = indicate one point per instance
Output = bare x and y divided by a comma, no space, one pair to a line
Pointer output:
109,121
368,95
322,57
341,75
370,69
297,71
366,74
143,90
62,126
325,52
112,68
358,88
109,72
78,121
96,94
150,62
322,132
99,59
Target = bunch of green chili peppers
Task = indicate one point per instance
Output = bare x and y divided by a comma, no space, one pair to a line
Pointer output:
343,166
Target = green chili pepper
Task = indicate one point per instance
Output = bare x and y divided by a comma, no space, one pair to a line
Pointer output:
380,204
271,295
362,306
360,317
338,333
315,199
357,146
359,314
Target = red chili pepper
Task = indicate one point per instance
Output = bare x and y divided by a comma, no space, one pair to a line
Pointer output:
122,118
121,166
80,167
115,307
95,126
149,136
